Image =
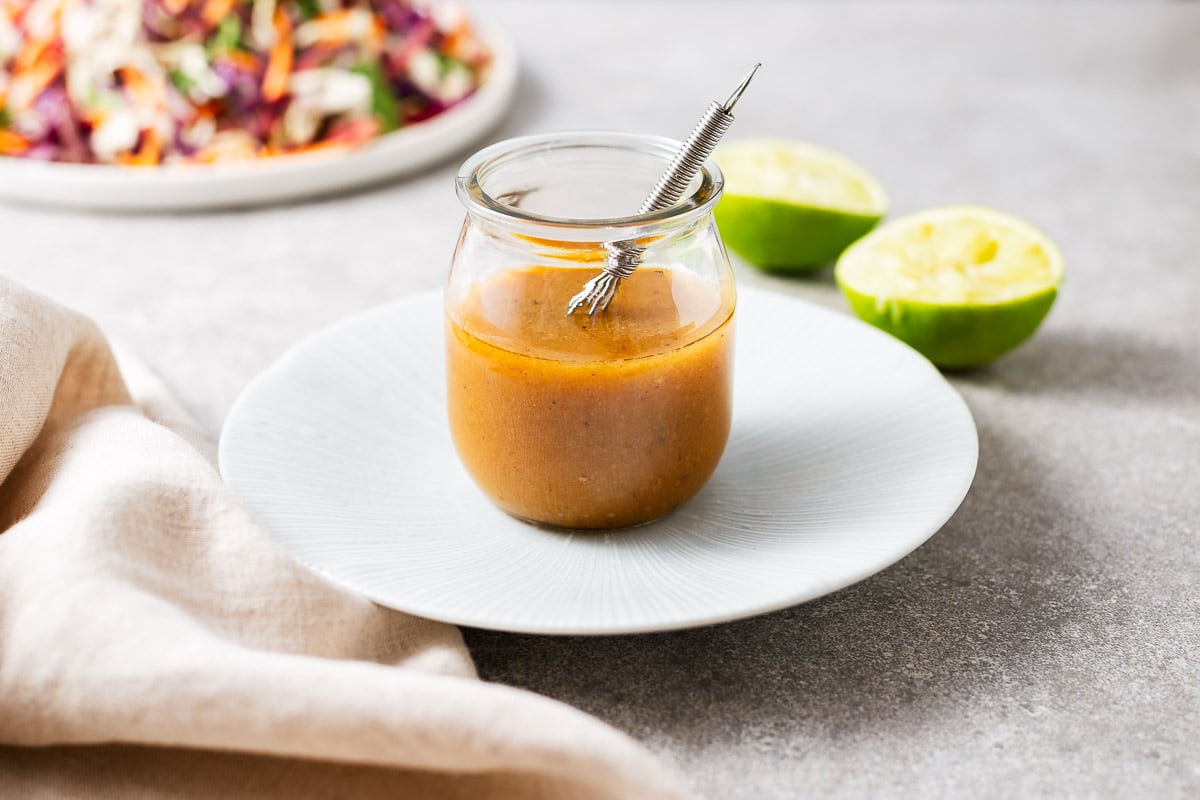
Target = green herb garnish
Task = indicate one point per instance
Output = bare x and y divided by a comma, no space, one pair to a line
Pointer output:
182,82
383,104
228,35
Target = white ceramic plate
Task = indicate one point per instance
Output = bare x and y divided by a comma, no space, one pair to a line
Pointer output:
272,180
848,450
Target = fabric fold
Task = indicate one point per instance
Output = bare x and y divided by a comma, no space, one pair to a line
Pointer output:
144,615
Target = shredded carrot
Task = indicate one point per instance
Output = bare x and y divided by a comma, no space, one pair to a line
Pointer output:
333,27
95,117
147,155
12,9
38,78
240,59
12,144
151,150
142,92
16,10
216,10
275,79
30,54
377,35
338,28
458,41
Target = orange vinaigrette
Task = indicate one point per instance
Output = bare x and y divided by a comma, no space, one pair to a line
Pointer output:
585,422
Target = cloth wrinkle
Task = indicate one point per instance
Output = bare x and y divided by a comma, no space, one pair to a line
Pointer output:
148,623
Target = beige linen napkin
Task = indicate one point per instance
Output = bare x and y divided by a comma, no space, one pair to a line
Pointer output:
154,642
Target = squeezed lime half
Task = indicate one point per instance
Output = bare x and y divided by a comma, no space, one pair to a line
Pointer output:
962,285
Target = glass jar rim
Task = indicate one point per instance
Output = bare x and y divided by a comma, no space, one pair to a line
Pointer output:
468,184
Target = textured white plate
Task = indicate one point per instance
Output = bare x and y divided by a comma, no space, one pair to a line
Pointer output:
848,450
271,180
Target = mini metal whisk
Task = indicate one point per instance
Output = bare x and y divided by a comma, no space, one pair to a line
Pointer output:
624,257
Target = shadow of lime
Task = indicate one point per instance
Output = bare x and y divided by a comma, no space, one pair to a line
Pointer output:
1113,366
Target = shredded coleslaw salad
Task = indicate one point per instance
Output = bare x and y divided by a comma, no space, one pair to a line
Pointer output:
146,82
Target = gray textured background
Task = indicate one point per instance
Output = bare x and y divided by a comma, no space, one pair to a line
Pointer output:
1046,641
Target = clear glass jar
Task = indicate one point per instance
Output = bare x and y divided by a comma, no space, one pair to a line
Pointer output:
585,421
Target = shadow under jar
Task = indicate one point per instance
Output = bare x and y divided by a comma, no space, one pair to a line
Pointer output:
587,421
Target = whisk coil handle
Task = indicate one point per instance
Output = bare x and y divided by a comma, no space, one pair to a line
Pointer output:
691,157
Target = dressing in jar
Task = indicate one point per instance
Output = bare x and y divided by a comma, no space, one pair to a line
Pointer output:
587,421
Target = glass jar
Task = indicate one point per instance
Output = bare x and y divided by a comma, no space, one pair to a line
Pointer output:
587,421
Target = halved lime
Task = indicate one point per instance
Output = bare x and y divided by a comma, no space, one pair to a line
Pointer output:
793,207
962,285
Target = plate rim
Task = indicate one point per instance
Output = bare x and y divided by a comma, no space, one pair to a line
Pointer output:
860,573
113,188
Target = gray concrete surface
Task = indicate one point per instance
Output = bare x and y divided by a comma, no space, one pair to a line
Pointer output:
1046,642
